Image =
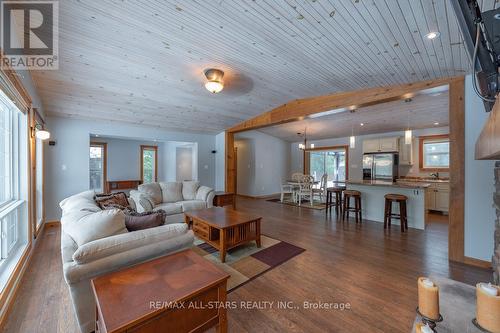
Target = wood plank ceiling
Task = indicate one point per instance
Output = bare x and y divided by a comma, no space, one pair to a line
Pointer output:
142,61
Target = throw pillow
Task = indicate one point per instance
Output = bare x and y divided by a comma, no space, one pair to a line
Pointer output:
152,190
110,200
140,221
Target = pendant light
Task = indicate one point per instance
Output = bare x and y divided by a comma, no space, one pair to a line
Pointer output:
352,138
408,131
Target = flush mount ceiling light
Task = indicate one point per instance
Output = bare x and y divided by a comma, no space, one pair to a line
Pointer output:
433,35
214,83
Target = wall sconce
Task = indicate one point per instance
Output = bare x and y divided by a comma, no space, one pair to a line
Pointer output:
40,132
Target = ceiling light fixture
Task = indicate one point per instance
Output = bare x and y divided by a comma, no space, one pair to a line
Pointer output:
436,123
362,124
408,132
214,83
432,35
303,146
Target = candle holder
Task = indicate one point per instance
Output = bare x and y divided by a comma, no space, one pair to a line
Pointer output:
429,321
474,321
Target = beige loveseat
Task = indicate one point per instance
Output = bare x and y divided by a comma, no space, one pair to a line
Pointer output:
174,198
95,241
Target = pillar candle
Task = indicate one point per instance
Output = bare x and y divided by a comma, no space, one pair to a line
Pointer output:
421,328
488,306
428,298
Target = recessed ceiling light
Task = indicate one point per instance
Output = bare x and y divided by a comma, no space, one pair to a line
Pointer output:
436,123
362,124
433,35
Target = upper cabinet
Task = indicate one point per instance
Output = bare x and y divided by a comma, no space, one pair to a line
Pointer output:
405,153
381,145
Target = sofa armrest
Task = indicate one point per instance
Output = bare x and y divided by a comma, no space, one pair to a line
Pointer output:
210,199
137,248
143,203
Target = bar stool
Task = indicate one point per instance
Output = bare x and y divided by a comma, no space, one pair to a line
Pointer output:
356,195
402,216
330,191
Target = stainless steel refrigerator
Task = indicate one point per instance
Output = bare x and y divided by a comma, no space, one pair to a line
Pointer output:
380,166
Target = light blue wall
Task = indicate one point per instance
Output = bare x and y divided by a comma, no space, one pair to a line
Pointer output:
479,183
67,163
263,163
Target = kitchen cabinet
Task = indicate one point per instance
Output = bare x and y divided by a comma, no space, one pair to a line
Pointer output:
381,145
405,153
438,197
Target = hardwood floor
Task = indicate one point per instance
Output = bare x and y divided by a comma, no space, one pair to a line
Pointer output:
373,270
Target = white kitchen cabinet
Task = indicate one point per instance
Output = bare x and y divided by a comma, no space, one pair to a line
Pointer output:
437,197
405,153
381,145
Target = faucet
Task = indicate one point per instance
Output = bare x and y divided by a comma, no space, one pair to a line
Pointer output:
435,175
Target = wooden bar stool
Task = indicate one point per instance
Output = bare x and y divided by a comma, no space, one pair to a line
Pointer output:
402,216
356,195
330,191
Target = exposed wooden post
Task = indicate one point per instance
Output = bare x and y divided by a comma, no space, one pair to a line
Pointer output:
230,163
457,170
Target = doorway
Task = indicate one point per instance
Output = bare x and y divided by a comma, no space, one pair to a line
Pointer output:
97,166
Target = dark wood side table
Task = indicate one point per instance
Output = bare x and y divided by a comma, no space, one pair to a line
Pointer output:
222,199
155,296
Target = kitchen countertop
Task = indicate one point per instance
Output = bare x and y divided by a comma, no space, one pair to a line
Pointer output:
401,184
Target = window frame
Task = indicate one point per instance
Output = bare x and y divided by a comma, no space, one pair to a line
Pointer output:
435,138
155,150
307,157
104,146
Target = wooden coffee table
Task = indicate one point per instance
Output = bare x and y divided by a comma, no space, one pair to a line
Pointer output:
175,293
224,228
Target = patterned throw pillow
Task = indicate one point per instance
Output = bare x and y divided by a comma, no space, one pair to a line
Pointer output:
139,221
112,200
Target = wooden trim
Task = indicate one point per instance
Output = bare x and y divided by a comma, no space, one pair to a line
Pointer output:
155,149
236,170
421,140
457,170
51,224
230,164
477,262
12,86
104,146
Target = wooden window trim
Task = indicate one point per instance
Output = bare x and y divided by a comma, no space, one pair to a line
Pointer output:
344,147
421,140
155,149
104,146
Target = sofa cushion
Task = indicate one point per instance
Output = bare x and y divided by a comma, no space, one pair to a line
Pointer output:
189,188
169,208
189,205
79,203
202,193
140,221
171,191
84,228
132,240
152,190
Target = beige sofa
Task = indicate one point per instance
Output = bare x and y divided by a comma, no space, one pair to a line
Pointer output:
95,241
174,198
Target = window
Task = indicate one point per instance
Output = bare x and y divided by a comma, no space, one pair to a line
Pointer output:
13,186
331,161
434,153
149,164
97,166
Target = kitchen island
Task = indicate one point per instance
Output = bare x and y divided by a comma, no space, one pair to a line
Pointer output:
373,201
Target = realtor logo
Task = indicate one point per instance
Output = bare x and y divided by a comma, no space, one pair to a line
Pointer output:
29,35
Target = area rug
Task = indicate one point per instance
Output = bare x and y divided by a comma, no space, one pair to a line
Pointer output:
305,204
246,262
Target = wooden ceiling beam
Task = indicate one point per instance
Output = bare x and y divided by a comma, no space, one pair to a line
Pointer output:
301,108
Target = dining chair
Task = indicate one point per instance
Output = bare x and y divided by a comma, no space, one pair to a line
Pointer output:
321,191
305,190
288,189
